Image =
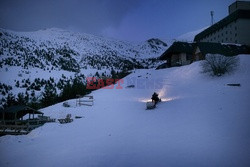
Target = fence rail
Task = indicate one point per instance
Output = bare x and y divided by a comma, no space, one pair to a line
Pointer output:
87,100
18,127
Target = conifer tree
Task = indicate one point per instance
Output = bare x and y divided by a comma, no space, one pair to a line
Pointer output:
49,96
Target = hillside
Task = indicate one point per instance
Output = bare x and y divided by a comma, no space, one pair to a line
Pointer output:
201,122
31,60
60,49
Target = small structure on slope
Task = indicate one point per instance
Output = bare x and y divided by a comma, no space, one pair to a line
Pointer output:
86,100
12,120
66,120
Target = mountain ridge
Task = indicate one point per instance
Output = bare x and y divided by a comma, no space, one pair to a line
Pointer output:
31,60
79,47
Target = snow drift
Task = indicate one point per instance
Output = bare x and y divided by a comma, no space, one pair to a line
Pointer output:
201,122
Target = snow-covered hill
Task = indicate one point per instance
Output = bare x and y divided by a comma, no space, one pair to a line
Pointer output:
51,54
61,49
201,122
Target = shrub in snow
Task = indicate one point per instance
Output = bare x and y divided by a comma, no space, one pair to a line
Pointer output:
217,64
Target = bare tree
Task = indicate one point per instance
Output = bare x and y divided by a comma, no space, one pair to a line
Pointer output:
216,64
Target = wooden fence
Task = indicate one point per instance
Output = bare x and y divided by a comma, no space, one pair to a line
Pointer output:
84,100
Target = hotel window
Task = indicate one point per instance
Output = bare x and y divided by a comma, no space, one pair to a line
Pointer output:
236,34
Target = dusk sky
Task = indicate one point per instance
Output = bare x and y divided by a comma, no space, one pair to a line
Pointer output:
133,20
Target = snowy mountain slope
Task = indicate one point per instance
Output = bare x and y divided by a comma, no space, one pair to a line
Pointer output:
71,51
26,57
201,122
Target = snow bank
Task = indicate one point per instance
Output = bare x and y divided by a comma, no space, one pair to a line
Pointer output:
203,122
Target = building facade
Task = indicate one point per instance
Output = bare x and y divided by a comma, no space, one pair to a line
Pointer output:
178,54
184,53
235,28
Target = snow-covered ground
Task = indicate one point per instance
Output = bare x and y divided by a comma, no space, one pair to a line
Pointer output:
11,74
189,37
201,122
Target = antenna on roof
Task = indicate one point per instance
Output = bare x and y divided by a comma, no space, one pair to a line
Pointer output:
212,17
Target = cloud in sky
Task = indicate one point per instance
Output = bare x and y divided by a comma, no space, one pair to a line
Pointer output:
123,19
88,15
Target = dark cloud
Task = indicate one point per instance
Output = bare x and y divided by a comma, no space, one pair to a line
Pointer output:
124,19
168,19
86,15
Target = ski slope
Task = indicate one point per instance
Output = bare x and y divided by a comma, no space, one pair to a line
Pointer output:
201,122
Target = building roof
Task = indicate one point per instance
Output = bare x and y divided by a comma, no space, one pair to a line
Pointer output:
243,14
178,47
223,49
205,48
19,110
243,5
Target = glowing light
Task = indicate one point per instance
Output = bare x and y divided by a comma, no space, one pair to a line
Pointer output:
162,95
162,99
162,92
145,100
167,99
